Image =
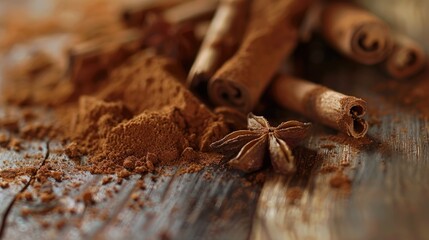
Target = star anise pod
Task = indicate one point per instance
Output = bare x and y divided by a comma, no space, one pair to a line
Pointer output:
253,144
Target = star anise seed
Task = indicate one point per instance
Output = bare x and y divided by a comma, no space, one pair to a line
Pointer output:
250,146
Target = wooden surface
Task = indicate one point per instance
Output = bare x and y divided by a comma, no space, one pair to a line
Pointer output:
390,182
388,198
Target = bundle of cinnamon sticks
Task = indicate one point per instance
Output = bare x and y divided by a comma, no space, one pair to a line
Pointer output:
272,31
234,50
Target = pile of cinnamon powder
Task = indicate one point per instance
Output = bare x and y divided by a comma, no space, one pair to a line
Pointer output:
137,120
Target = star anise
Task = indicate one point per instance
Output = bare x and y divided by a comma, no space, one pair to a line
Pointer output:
253,144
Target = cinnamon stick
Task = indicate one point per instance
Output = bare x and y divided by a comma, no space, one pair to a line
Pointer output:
271,36
220,42
322,104
134,15
94,58
171,11
356,33
406,59
190,11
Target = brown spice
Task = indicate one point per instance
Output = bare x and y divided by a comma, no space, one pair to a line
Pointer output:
39,131
124,173
413,96
47,197
11,174
340,181
72,150
271,35
355,32
106,180
221,41
159,136
88,198
251,145
328,169
328,146
129,162
336,110
15,144
4,185
4,139
406,59
294,194
45,224
135,196
27,196
61,224
360,143
130,109
11,124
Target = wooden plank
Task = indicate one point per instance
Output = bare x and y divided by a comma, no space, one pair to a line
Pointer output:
188,206
29,155
12,160
45,220
389,188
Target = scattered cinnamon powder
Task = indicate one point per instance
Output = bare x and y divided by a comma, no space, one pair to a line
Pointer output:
11,124
142,114
4,139
92,122
15,144
72,150
4,185
294,194
106,180
411,94
11,174
47,196
328,169
27,196
361,143
328,146
340,181
87,197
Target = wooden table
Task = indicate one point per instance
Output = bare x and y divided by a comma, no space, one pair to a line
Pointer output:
388,198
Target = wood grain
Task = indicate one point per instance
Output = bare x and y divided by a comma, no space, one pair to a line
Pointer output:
387,199
389,189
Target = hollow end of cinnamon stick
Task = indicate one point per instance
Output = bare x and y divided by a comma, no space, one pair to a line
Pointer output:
321,104
271,35
407,58
371,42
230,93
356,33
353,123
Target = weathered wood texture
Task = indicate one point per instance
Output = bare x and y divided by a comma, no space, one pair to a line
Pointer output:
389,190
387,199
190,206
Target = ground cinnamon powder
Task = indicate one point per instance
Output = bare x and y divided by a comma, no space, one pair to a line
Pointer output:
141,112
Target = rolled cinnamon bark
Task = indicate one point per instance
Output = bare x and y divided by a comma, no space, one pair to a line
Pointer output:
406,59
356,33
134,15
92,59
321,104
195,10
271,35
220,42
171,11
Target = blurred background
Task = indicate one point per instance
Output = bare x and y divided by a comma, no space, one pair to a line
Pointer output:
408,16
